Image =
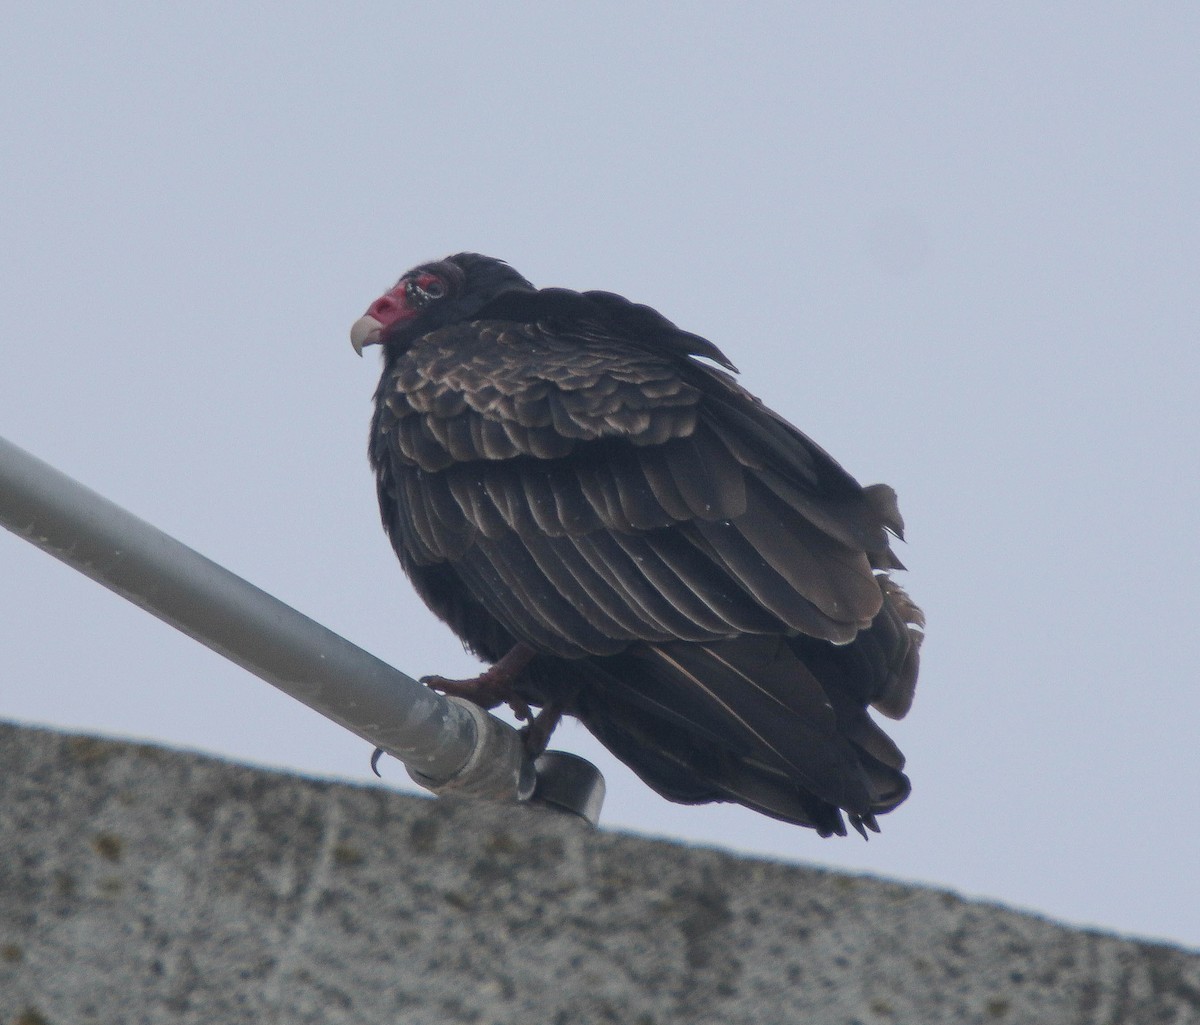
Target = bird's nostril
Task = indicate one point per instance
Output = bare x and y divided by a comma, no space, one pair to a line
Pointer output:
385,304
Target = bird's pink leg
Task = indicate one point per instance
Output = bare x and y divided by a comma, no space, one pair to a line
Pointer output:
492,687
537,733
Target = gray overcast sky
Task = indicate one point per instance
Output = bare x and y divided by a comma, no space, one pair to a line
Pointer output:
957,244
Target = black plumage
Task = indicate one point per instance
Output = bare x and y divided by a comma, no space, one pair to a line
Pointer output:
673,563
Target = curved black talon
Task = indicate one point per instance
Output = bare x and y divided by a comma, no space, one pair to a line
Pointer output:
379,753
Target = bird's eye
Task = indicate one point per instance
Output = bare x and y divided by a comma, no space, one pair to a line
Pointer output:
425,289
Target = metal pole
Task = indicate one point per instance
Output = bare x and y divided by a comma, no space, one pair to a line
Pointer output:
446,744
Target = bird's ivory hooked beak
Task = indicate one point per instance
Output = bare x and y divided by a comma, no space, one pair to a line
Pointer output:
366,331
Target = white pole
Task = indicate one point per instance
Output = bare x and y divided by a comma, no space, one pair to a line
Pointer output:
445,743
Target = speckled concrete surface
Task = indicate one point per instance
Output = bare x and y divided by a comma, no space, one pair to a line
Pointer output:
139,885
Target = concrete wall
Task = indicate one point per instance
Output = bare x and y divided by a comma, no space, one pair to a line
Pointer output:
143,885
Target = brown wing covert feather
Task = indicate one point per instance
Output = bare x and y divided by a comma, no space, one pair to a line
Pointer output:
684,515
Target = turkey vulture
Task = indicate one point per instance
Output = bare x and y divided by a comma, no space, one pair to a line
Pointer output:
633,539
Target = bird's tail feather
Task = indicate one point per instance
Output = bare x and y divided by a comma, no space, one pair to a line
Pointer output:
774,723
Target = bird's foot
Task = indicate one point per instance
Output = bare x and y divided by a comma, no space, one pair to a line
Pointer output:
494,686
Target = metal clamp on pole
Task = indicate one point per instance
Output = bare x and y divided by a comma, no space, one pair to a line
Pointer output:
568,783
446,744
498,767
